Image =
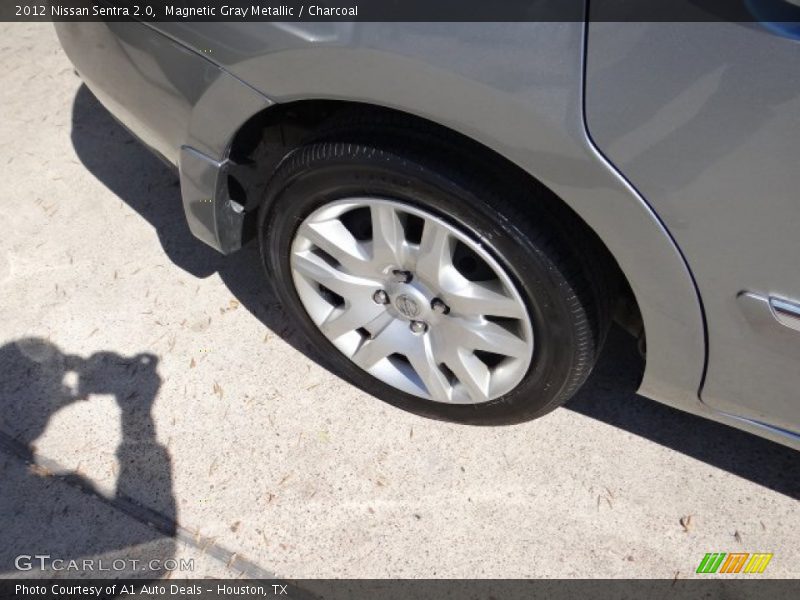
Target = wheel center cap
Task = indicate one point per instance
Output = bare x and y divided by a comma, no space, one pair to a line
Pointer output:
407,306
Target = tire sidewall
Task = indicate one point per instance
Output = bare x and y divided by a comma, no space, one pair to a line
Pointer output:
305,183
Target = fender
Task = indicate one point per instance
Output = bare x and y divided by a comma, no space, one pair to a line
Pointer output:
520,95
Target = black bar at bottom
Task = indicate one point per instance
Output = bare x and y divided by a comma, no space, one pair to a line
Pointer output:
385,589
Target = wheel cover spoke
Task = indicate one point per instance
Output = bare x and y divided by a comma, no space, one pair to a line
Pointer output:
424,362
333,238
434,260
353,316
486,336
317,269
441,332
388,235
474,299
377,348
472,374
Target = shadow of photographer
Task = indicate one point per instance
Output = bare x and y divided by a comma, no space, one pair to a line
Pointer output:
56,522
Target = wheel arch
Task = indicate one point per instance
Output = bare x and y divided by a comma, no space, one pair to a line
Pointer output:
661,286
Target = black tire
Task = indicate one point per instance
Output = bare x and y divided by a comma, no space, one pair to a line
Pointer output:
555,262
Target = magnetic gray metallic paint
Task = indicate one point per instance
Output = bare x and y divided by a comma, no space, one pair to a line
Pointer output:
704,119
167,94
517,88
178,103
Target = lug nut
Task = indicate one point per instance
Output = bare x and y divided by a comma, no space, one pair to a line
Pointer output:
439,307
418,327
380,297
401,276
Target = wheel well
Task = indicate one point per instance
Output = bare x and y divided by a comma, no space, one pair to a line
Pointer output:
267,137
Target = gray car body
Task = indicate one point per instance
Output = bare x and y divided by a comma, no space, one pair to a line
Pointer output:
673,142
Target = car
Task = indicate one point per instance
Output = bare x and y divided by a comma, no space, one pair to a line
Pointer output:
454,214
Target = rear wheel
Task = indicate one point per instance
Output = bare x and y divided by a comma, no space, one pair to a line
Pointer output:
430,286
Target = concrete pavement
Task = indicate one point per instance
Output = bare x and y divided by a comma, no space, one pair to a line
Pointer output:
189,421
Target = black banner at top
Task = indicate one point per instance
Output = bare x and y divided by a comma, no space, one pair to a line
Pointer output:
402,10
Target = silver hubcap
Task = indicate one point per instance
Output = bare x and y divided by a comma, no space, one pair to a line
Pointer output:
412,300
